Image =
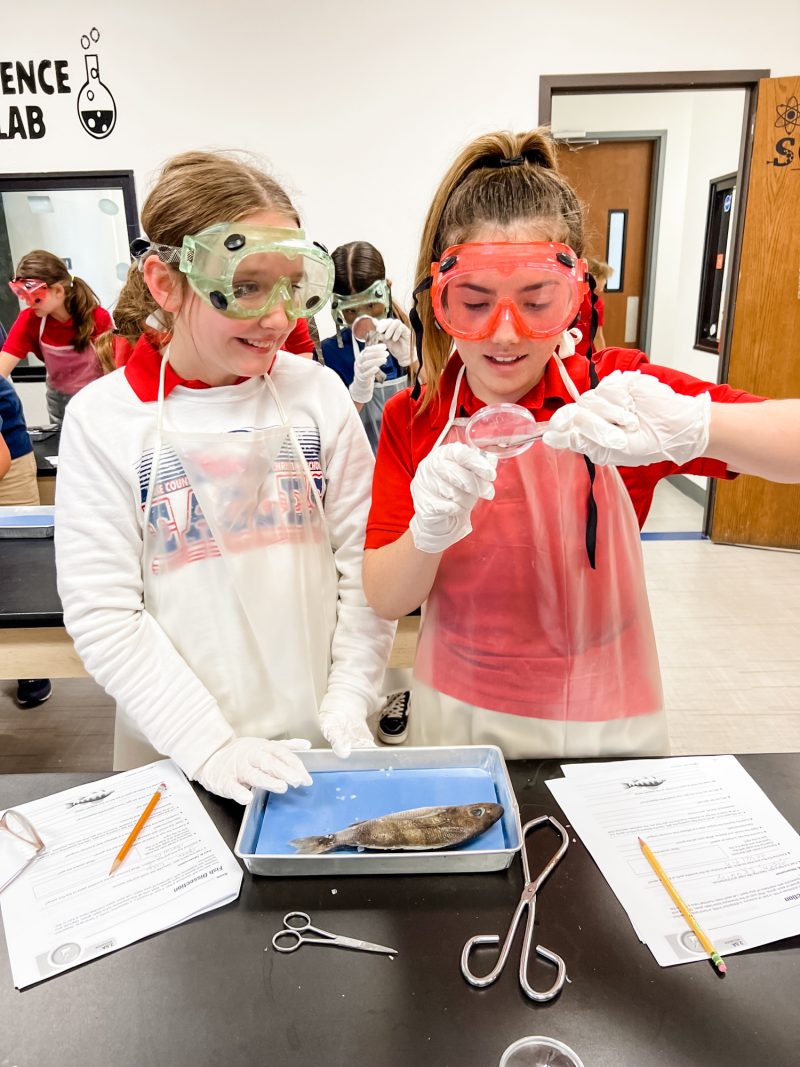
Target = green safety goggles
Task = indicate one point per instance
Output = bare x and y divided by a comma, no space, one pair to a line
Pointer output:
375,301
246,271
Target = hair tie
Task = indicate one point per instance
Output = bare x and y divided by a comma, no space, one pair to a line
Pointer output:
515,161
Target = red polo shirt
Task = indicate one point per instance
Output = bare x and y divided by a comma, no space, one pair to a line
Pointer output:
143,370
406,437
23,337
298,342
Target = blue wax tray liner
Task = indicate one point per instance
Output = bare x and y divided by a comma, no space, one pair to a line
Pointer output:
375,782
22,521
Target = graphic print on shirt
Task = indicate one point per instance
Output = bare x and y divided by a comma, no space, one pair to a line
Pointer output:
272,511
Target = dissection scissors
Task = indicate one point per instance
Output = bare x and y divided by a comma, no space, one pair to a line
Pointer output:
296,924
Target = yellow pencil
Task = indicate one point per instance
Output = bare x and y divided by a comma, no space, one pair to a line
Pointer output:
716,959
123,852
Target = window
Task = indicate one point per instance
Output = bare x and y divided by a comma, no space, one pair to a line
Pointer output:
716,256
615,249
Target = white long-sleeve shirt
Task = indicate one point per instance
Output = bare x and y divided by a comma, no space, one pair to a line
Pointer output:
104,461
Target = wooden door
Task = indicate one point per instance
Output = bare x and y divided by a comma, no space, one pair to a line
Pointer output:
610,176
765,342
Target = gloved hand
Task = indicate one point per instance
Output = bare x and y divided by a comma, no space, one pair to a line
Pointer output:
448,483
397,337
253,761
368,361
631,420
344,727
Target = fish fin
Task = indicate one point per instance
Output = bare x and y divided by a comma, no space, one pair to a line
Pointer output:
314,846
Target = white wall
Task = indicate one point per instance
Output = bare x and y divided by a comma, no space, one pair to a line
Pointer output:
309,86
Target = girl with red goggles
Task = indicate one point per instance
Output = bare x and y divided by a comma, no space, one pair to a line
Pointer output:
536,631
60,325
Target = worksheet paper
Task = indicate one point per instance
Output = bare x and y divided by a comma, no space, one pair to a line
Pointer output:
65,909
731,856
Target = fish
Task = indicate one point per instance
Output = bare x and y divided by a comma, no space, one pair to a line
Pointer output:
414,830
90,798
639,783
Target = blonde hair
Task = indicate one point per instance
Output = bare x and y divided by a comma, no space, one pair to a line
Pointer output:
599,270
80,299
503,179
193,191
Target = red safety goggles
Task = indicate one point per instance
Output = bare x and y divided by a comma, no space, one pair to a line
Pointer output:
538,286
31,290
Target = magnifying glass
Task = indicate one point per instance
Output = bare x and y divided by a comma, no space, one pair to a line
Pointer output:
503,430
365,330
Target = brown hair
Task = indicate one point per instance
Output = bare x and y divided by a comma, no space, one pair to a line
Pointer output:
80,300
359,264
503,179
599,270
193,191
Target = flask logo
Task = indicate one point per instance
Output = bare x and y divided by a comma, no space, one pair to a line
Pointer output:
96,108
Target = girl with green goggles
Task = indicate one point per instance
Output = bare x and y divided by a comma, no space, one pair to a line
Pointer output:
245,271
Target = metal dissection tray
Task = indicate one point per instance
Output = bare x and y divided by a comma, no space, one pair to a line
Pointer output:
21,521
375,782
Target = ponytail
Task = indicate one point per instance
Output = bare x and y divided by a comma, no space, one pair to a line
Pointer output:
80,301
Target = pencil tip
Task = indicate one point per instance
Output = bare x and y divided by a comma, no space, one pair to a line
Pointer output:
114,866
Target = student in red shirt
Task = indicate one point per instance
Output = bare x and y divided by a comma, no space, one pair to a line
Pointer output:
536,631
59,325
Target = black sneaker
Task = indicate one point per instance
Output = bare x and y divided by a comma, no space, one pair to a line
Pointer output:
33,691
393,720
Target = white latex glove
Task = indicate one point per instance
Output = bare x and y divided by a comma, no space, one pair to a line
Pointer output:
367,362
631,420
449,482
397,337
344,727
246,762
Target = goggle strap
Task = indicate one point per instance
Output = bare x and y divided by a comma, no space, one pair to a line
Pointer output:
416,325
591,517
141,248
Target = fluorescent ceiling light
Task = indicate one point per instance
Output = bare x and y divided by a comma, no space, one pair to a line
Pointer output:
40,204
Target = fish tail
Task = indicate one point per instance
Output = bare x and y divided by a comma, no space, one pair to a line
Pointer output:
314,846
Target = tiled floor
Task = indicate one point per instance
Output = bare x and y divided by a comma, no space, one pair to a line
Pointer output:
727,623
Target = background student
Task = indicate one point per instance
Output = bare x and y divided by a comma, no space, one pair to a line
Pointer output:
376,370
59,326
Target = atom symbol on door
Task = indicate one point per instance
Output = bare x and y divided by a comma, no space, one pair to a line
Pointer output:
788,115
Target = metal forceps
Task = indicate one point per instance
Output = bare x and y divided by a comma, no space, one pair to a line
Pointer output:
297,923
527,900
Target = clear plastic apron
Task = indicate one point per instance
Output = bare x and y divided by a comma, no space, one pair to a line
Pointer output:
253,614
68,369
523,644
372,412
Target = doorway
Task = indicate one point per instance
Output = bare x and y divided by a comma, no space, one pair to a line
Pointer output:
617,178
706,125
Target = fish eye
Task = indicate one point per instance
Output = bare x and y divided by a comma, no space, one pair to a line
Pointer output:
477,811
